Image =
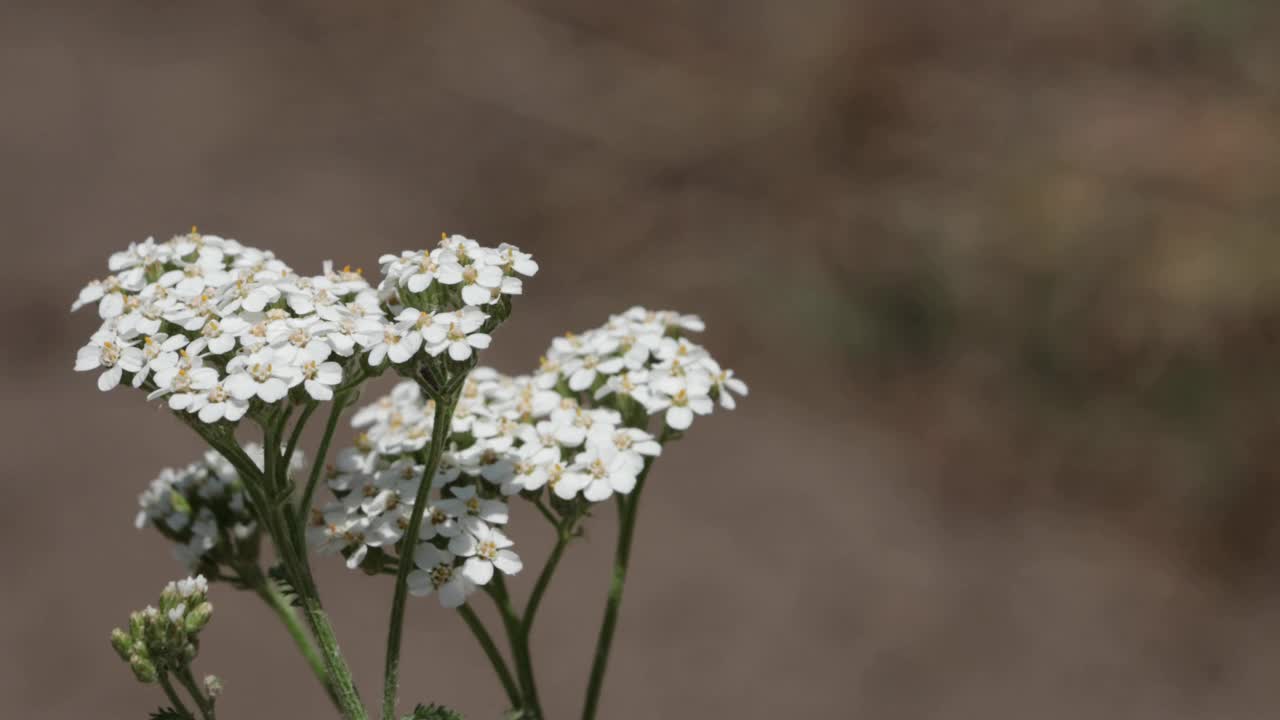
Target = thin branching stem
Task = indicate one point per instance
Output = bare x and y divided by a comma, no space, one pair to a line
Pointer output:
627,508
444,407
491,651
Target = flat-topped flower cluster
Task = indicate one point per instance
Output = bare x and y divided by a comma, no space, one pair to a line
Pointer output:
570,435
215,326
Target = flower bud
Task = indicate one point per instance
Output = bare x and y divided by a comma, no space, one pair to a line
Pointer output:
137,624
198,617
212,686
122,642
143,669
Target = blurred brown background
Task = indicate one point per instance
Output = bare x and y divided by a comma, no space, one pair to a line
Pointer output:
1002,276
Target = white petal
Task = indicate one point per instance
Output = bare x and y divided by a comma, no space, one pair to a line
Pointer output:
477,571
109,379
463,545
508,562
211,413
418,283
273,389
459,351
679,418
453,593
598,490
87,358
475,295
318,390
329,373
240,386
420,583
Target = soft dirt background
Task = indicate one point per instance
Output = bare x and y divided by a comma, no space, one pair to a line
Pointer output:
1001,276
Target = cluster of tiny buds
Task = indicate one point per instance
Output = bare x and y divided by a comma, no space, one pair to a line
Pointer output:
217,327
165,638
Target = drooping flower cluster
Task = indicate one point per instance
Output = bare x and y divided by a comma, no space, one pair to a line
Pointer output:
204,510
216,326
558,434
165,639
642,358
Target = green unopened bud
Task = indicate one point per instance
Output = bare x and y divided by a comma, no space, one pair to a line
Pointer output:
122,643
137,624
143,669
169,598
199,617
213,686
189,653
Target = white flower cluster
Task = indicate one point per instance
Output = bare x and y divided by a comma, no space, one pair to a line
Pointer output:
445,299
574,432
215,325
203,509
642,356
460,543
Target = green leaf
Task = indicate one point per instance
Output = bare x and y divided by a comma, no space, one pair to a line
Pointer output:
281,579
168,714
433,712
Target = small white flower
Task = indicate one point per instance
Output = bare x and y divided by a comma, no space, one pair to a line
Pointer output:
603,469
684,397
393,343
457,332
468,507
106,350
485,550
319,380
260,375
219,335
436,573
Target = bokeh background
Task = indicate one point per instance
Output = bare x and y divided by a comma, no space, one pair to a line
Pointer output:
1003,277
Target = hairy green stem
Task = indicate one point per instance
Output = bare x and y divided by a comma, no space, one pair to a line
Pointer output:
317,466
174,699
309,408
278,603
445,404
258,483
491,651
204,704
627,508
291,546
544,579
516,637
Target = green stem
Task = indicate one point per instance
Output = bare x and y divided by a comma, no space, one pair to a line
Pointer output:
257,484
497,589
304,505
274,599
491,651
205,705
172,694
544,579
309,408
546,513
627,508
439,436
